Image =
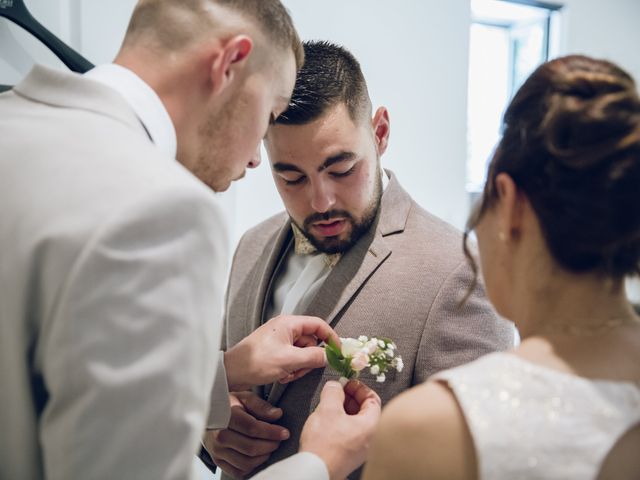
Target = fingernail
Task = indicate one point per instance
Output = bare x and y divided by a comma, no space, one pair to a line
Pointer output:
274,411
284,434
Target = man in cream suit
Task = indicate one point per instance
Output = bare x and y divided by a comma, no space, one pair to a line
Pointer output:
354,249
113,253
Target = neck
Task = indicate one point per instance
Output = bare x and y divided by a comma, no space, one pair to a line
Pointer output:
565,303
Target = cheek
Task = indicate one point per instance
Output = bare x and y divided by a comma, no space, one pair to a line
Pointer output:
294,202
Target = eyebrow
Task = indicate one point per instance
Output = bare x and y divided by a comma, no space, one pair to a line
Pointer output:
332,160
340,157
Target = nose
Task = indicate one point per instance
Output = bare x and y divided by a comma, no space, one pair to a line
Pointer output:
322,196
256,159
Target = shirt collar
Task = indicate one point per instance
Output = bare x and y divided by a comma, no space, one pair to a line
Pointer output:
144,101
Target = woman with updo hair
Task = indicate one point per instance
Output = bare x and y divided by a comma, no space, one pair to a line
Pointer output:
558,229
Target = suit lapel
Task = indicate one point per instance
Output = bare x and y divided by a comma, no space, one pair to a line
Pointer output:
358,264
364,258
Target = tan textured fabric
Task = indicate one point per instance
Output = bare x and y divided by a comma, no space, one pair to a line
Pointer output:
403,280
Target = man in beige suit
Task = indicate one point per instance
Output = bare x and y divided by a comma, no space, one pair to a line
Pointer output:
114,253
354,249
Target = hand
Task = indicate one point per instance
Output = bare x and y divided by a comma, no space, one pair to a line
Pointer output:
342,426
250,437
283,349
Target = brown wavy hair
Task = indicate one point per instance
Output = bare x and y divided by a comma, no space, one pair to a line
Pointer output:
571,143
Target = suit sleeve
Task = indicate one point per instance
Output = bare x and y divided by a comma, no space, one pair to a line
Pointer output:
127,352
456,334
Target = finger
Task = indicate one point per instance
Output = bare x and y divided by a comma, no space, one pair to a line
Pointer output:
245,423
304,358
301,325
228,468
351,406
251,447
306,341
360,392
332,397
295,375
370,411
259,408
242,463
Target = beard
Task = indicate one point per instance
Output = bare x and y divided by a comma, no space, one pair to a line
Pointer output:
359,227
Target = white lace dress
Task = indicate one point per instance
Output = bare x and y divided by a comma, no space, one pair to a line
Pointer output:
532,422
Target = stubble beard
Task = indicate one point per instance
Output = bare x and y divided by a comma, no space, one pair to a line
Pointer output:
359,228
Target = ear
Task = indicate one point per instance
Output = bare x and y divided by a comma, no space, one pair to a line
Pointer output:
229,60
381,129
512,204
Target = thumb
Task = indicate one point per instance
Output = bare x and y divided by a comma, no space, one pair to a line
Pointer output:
332,397
260,408
307,357
370,411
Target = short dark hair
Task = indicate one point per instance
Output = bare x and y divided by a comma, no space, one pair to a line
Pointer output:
571,143
175,23
330,75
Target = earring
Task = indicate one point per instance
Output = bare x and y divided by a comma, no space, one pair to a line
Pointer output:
502,236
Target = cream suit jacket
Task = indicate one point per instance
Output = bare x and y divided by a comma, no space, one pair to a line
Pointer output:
403,280
113,263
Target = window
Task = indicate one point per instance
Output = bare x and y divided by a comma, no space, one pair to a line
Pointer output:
508,40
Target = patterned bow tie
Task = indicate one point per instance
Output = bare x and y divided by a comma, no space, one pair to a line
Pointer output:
304,247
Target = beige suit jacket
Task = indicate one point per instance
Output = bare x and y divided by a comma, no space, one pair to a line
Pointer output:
112,271
403,280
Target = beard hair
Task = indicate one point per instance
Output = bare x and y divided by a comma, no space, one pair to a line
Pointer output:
331,245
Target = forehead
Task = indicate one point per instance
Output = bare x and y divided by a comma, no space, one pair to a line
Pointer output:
314,142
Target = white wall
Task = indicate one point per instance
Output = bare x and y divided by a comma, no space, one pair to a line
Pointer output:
605,29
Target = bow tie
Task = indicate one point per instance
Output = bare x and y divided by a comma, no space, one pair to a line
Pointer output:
304,247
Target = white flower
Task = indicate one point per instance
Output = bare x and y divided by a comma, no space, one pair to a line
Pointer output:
381,343
392,346
360,361
399,364
389,353
350,346
363,338
371,346
381,378
375,370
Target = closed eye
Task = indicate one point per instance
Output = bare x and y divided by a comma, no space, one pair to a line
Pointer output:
343,174
295,181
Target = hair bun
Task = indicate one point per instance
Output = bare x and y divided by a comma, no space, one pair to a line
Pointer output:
592,117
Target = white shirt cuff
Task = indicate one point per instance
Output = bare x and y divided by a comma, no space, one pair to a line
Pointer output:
301,466
219,407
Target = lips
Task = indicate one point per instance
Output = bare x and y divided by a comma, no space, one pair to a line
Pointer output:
330,228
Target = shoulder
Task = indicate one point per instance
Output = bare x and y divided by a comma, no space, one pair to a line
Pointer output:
423,433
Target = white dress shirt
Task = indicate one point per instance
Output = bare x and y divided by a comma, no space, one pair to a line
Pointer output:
143,100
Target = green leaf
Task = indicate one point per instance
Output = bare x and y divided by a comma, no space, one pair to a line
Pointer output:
333,346
335,360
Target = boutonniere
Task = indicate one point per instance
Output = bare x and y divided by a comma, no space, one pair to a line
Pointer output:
379,355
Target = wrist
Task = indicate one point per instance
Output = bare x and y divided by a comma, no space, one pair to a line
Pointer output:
233,365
